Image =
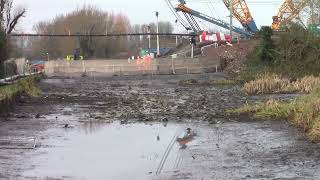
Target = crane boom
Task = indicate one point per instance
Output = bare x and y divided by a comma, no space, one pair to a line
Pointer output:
289,10
183,8
241,11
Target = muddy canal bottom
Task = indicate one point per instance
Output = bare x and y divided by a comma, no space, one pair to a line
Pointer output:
113,151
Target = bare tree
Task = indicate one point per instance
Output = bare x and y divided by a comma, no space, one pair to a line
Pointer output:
9,18
86,20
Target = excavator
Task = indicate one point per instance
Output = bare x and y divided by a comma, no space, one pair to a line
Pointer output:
289,10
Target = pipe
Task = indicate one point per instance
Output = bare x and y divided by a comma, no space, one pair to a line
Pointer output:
10,80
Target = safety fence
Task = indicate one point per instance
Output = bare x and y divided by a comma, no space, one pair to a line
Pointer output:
126,67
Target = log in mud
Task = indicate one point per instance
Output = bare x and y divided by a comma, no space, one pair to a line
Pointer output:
128,127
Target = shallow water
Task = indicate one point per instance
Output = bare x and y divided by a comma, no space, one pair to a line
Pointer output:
110,151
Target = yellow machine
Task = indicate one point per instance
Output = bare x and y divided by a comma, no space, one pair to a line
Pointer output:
289,10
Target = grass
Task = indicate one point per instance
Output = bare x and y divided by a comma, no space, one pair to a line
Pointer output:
25,85
304,112
273,83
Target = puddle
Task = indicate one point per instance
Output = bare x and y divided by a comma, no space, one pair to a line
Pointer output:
112,151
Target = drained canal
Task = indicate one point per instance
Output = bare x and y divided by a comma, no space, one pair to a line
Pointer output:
136,128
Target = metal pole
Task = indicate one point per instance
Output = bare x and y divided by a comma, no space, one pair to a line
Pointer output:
192,47
231,11
149,36
158,44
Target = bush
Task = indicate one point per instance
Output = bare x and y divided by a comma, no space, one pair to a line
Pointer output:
294,54
266,47
298,53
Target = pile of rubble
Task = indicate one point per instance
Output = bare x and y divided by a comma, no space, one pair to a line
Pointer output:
230,59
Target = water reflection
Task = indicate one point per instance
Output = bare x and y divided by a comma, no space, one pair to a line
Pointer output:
100,150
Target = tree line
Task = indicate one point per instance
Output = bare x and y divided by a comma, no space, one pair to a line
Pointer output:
89,20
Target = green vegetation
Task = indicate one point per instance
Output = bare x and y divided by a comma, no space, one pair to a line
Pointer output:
266,50
302,112
287,62
294,54
25,85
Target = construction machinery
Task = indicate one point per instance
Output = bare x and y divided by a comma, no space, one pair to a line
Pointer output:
241,11
289,10
248,30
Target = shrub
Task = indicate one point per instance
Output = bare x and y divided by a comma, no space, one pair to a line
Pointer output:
266,47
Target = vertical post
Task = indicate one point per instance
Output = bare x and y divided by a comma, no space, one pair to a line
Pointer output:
174,56
149,37
176,41
83,67
312,12
158,43
192,47
231,12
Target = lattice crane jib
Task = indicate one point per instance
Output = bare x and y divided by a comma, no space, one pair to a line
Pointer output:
289,10
241,11
183,8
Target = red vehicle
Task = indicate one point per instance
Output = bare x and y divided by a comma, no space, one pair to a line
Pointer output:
38,66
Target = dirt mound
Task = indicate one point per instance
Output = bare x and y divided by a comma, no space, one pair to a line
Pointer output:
230,59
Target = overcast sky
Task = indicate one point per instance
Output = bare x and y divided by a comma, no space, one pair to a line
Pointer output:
140,11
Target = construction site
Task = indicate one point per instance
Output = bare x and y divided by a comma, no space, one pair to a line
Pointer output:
89,95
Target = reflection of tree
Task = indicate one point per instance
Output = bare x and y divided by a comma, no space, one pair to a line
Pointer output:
92,126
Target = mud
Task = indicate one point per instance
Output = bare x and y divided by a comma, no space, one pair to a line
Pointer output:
121,127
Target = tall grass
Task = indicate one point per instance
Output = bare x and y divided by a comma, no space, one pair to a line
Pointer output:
304,112
273,83
26,85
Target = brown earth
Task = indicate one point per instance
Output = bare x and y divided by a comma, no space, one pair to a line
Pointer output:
231,59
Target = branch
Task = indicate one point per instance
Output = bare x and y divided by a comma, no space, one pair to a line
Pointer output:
2,7
8,9
15,20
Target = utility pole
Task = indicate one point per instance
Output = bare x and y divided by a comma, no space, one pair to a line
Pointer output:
149,37
158,43
231,12
312,12
176,36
